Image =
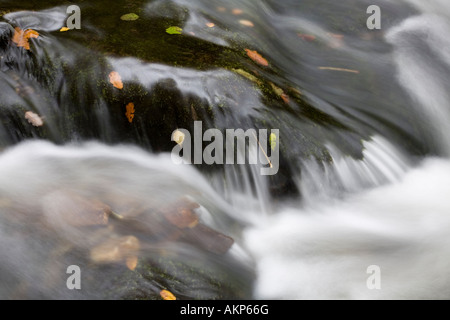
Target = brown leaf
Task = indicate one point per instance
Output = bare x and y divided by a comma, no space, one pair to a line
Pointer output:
167,295
34,119
255,56
181,214
115,250
130,112
116,80
21,37
285,98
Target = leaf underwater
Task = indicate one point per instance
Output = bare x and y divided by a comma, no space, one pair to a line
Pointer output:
256,57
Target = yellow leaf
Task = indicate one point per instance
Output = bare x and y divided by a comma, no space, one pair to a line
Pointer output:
130,112
64,29
167,295
21,37
273,141
116,80
210,25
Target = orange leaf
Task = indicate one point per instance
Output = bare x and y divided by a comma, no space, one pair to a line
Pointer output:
255,56
132,262
130,112
285,98
21,37
116,80
167,295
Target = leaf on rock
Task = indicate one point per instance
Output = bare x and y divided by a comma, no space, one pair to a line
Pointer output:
64,29
210,25
167,295
279,92
181,214
247,75
130,112
34,119
129,17
174,30
21,37
116,250
273,141
116,80
256,57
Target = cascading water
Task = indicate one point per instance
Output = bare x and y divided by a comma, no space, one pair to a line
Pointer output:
360,183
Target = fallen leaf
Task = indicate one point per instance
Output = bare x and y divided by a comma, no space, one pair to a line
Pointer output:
130,112
221,9
167,295
115,250
339,69
273,141
255,56
210,25
285,98
178,137
246,23
174,30
237,11
21,37
116,80
181,214
64,29
34,119
132,262
129,17
276,89
247,75
307,37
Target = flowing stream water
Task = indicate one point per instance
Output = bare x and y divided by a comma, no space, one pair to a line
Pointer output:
364,156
